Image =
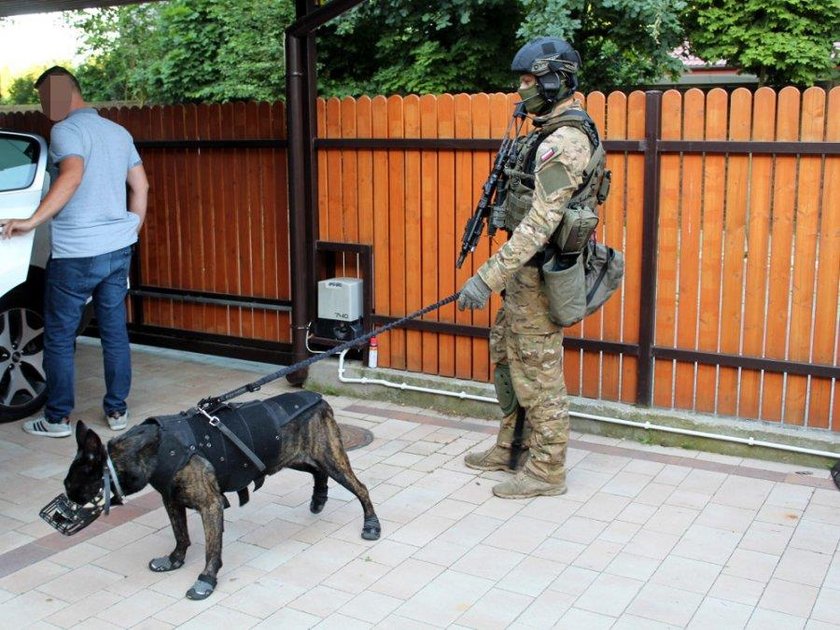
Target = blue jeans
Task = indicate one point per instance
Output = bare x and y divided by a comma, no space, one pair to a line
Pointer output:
70,282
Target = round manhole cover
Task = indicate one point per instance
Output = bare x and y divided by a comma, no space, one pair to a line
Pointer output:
354,437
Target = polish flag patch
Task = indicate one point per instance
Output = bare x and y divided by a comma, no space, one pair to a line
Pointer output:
547,155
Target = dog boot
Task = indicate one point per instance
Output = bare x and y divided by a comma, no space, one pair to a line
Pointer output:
160,565
495,458
203,587
524,485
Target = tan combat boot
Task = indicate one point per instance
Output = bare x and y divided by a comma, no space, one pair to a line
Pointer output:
524,485
494,458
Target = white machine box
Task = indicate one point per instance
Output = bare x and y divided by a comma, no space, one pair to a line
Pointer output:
340,299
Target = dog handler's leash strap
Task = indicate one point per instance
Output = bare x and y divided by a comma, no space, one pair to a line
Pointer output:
213,402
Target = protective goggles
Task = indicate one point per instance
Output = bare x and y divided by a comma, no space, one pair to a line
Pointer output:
552,64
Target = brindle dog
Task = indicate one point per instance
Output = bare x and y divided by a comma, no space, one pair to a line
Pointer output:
311,444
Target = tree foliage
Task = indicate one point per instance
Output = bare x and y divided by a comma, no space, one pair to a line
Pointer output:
622,43
120,46
186,50
781,41
218,50
416,46
21,90
467,45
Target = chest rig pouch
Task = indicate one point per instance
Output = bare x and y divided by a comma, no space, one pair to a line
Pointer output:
257,424
580,216
579,275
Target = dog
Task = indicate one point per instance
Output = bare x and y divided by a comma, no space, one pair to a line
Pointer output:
306,439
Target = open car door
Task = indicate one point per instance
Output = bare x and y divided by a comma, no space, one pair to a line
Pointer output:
23,165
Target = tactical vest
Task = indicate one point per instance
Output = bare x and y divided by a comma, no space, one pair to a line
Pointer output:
256,423
519,193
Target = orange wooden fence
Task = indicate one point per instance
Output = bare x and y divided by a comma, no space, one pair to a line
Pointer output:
748,249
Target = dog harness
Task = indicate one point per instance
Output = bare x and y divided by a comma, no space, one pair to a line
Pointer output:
256,425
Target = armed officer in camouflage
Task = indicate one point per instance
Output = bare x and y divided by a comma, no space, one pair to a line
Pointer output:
526,345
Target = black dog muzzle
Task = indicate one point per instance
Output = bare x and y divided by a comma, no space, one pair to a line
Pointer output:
68,517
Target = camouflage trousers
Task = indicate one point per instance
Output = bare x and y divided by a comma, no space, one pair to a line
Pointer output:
532,346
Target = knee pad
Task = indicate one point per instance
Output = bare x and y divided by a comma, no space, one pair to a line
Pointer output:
504,389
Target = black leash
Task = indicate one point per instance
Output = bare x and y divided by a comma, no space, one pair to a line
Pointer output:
207,405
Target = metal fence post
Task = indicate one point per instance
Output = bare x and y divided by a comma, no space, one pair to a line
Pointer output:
650,240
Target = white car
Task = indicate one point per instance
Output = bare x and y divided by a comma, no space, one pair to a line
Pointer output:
23,182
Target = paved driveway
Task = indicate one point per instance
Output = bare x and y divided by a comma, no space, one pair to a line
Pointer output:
647,537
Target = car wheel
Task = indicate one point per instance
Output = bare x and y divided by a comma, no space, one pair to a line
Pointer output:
23,384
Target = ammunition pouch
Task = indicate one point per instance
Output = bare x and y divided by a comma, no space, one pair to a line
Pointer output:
517,204
565,287
580,215
580,289
504,389
576,228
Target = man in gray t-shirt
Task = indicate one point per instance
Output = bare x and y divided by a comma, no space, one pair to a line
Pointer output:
94,226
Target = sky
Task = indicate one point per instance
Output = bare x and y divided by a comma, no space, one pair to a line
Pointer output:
37,39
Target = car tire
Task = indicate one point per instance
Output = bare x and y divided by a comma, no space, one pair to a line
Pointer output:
23,385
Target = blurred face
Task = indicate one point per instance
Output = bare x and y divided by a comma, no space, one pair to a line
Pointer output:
526,81
56,94
529,92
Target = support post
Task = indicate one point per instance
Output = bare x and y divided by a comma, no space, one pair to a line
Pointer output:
296,94
301,91
650,241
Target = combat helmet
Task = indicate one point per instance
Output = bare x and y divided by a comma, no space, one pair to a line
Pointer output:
553,62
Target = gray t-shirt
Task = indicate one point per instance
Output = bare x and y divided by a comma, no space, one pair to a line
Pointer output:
96,220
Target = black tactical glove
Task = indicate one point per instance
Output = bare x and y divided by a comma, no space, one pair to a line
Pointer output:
474,294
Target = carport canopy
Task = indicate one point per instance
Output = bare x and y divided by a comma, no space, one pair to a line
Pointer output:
21,7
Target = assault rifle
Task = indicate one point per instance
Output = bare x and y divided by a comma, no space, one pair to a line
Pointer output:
490,192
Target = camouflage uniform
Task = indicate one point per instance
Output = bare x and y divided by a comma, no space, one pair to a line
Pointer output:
523,335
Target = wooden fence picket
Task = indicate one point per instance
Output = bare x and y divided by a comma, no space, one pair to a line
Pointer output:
694,112
804,253
429,233
447,234
613,221
413,280
592,326
758,246
381,235
781,236
734,233
822,401
464,208
666,281
481,165
397,216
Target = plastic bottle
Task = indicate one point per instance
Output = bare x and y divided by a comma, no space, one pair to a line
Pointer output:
373,352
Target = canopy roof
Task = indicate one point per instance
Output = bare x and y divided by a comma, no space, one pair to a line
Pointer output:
20,7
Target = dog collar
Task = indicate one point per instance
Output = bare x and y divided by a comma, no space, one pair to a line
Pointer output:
109,473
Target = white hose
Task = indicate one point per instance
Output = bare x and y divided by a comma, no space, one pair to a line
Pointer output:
750,441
